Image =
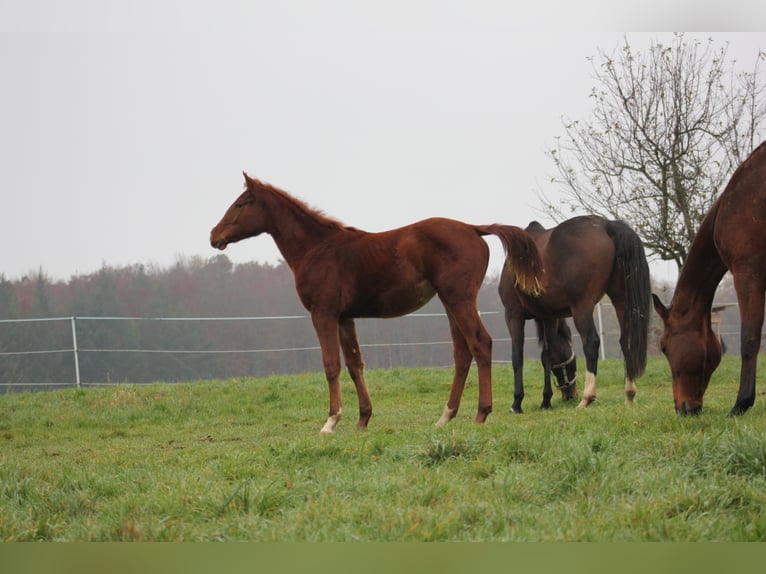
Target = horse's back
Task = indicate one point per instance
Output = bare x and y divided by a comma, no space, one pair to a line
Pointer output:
578,257
394,272
443,247
579,251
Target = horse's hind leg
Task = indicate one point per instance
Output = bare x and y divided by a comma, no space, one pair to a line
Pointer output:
618,301
327,333
462,357
355,365
470,339
591,344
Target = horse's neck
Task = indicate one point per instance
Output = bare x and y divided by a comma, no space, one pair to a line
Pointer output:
294,229
701,273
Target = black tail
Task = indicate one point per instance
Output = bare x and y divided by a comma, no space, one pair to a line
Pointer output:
630,256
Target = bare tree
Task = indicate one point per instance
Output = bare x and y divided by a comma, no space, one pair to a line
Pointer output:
669,127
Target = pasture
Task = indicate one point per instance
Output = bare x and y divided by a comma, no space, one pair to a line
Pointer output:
243,460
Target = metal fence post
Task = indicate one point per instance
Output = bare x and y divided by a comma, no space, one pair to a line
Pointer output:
76,354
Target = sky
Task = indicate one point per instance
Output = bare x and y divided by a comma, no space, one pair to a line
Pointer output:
125,126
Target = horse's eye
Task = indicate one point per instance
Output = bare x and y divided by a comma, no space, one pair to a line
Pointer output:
664,349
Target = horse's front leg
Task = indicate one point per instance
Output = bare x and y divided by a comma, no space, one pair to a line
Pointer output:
352,354
327,332
516,331
548,330
751,311
545,359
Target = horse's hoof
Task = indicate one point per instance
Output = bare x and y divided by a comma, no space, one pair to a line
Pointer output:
446,417
585,403
515,411
362,423
332,422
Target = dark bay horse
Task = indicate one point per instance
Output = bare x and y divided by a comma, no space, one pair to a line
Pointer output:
342,273
732,236
584,258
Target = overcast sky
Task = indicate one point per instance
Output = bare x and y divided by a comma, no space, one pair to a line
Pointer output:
125,126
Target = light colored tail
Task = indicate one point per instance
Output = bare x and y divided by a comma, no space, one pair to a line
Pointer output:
521,255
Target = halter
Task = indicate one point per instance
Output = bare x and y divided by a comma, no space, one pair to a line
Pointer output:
567,385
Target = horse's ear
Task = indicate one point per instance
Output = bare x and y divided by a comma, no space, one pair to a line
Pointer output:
662,311
249,182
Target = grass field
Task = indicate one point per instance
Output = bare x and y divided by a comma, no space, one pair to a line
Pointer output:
243,460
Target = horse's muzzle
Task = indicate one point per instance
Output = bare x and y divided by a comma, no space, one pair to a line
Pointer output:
218,242
687,409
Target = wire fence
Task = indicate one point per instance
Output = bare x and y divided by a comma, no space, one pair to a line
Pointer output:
110,352
95,351
56,352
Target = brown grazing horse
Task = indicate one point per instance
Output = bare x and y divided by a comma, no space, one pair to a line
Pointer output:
584,258
342,273
732,237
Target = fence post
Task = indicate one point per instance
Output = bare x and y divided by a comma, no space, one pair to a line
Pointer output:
76,354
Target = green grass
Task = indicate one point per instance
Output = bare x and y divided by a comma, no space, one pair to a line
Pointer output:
244,460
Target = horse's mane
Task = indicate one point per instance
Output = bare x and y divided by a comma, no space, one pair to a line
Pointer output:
299,206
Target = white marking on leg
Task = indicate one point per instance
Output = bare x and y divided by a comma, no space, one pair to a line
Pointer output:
331,423
630,390
446,417
589,394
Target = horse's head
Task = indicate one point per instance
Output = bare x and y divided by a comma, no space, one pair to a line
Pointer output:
693,352
563,361
244,218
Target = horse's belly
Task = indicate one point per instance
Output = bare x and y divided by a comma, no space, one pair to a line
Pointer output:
547,306
394,301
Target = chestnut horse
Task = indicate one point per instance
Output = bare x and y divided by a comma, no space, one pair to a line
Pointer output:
584,258
342,273
732,237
